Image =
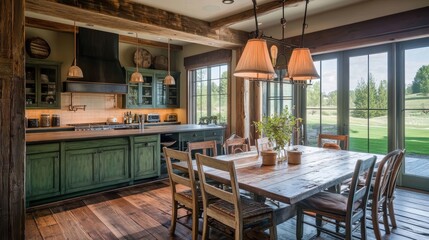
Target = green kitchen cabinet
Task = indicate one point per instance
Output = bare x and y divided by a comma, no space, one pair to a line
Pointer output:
42,171
198,136
147,161
152,93
218,136
42,84
96,163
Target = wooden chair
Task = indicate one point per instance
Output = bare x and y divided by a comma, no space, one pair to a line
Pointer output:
335,141
262,144
236,145
190,199
392,187
380,189
336,208
231,209
204,146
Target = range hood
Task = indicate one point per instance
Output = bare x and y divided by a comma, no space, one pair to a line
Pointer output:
98,57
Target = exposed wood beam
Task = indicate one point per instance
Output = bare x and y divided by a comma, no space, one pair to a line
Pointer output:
400,26
61,27
129,16
262,9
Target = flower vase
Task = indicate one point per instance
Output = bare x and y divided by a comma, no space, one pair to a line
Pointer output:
281,155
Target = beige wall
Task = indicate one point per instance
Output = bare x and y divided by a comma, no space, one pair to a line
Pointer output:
98,106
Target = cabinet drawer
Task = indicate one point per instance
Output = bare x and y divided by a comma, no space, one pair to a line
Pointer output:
192,136
148,138
96,143
42,148
213,133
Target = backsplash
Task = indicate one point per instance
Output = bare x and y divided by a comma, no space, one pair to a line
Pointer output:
99,107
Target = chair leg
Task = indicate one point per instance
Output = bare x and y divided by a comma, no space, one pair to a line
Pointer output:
273,228
392,214
375,225
363,228
194,225
318,223
299,223
385,219
205,226
349,235
173,218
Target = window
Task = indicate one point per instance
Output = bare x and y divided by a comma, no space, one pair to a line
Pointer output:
277,94
209,93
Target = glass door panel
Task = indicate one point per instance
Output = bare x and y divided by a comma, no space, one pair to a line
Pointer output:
147,91
161,91
416,117
30,86
368,75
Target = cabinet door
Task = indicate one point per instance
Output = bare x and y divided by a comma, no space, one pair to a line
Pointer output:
81,169
146,160
42,175
167,96
114,166
161,91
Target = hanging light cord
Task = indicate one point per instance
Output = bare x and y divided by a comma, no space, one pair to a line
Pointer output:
168,60
304,24
137,49
74,30
256,19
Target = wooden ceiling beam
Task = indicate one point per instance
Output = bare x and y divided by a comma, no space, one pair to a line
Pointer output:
128,16
61,27
262,9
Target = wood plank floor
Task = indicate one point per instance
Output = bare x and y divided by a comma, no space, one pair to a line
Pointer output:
143,212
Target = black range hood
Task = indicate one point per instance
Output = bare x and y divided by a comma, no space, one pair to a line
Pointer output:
98,57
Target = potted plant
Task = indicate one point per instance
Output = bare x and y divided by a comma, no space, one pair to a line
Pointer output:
279,129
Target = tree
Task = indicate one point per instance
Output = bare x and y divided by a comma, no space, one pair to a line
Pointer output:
313,95
421,80
377,98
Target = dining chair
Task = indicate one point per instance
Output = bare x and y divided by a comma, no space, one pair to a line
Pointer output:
342,141
262,144
236,145
211,146
231,209
189,198
380,187
392,186
338,209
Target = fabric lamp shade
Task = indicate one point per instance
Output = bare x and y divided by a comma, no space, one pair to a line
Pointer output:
136,77
255,62
301,66
169,80
75,72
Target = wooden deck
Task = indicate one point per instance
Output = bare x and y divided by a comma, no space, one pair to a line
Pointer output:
143,212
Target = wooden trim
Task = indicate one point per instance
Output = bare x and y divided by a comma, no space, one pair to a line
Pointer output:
208,58
12,132
262,9
139,41
240,105
400,26
129,16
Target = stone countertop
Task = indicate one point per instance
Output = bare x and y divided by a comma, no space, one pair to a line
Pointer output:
46,137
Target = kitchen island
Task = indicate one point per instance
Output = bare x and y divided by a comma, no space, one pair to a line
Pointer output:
65,164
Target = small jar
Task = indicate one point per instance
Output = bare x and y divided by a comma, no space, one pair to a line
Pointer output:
55,120
45,120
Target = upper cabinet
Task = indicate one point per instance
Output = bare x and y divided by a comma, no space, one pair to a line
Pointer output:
152,93
42,84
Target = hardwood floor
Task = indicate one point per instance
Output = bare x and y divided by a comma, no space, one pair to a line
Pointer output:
143,212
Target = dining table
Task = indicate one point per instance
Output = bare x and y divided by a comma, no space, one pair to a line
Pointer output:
320,168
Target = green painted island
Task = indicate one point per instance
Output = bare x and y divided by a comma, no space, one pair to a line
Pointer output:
67,164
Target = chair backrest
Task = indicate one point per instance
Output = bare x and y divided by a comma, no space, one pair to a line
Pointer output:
187,179
340,140
208,187
236,145
204,146
394,175
262,144
384,173
360,193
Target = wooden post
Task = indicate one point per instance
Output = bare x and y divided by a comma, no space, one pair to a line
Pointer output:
12,111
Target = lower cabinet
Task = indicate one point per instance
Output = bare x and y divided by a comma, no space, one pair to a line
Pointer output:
42,171
103,164
146,157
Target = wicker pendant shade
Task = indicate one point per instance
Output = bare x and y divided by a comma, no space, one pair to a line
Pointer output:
75,71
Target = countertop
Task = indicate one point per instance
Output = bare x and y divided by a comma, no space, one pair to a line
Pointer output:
46,137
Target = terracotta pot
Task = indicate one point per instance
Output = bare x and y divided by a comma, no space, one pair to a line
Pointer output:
269,157
294,157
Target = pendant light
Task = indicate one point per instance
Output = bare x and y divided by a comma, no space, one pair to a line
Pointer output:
301,67
255,62
75,71
169,80
136,77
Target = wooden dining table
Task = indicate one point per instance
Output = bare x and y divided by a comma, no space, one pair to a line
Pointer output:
319,169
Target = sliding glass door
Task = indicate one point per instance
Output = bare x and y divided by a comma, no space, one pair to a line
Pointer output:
414,118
